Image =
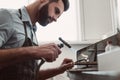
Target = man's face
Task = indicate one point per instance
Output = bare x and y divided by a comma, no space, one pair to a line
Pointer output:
50,12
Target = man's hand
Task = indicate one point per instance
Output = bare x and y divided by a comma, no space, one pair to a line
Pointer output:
48,51
66,65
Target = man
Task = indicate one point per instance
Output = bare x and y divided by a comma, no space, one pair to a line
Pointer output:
19,51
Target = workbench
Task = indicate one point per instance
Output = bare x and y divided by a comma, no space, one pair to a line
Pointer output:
93,75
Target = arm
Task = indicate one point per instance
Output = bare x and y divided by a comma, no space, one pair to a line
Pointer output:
11,56
45,74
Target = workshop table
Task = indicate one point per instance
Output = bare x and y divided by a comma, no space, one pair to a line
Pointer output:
78,74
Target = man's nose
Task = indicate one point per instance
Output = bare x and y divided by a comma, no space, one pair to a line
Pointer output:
55,18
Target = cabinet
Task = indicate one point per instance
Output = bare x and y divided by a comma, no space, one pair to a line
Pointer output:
97,19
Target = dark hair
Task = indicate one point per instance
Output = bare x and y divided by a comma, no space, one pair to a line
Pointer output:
65,2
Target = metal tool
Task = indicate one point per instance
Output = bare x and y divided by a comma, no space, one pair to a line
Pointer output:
43,60
85,57
68,45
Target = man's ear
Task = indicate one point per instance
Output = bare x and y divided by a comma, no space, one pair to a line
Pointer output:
43,2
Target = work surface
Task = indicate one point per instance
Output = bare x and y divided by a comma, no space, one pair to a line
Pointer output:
77,74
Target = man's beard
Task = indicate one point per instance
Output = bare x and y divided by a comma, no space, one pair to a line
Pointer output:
43,16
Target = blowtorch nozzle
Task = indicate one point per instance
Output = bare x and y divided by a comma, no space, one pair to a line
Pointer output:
64,42
60,45
85,57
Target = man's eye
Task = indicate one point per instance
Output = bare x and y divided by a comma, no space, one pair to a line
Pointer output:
57,11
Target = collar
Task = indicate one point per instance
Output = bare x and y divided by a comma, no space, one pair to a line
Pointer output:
26,17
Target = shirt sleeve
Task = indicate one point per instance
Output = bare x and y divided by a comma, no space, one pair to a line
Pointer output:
5,26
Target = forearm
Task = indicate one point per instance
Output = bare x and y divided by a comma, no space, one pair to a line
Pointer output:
11,56
45,74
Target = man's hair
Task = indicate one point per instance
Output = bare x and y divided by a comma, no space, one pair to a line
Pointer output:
65,2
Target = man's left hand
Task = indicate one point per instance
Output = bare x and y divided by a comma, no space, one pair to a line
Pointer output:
66,65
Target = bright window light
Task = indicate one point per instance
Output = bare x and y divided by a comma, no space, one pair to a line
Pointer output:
15,4
65,27
118,6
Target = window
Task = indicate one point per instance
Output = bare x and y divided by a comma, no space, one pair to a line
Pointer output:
15,4
65,27
118,7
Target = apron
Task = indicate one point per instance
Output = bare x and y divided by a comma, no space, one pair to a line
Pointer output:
26,70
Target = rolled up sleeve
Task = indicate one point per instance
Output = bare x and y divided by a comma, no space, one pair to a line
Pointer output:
6,30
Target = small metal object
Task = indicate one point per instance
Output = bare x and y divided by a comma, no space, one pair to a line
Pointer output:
85,60
43,60
73,50
64,42
60,45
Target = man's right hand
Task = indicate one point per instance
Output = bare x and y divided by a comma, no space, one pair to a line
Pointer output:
48,51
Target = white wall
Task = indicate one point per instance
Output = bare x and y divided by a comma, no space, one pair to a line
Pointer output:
97,18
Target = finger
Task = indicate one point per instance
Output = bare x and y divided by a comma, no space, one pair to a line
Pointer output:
69,65
53,57
55,53
57,48
67,60
50,56
52,50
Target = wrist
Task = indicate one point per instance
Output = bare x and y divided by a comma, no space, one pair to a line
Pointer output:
61,69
